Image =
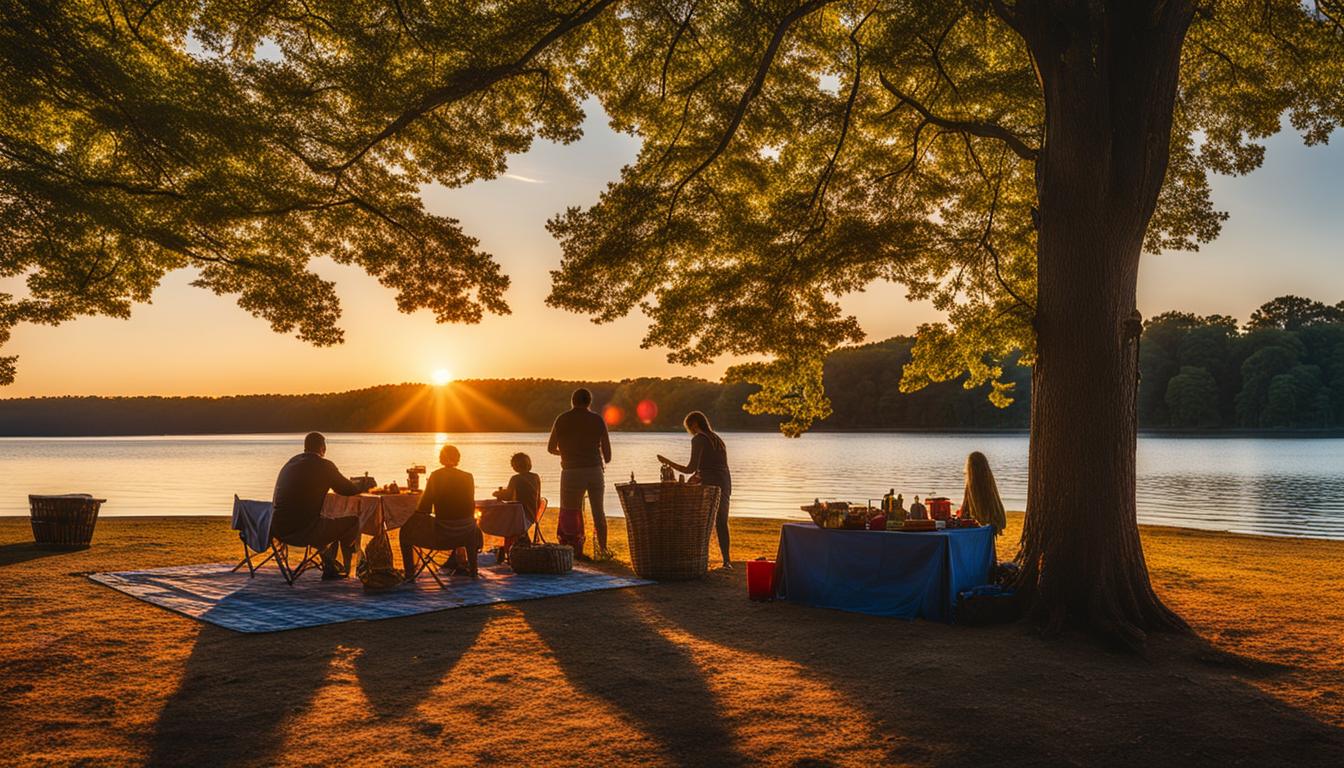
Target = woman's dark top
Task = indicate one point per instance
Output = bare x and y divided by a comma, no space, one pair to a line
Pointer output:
450,493
300,490
525,488
711,461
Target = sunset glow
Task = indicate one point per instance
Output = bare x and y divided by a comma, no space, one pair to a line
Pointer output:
441,376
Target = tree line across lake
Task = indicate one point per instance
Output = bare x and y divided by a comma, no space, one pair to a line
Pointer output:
1284,369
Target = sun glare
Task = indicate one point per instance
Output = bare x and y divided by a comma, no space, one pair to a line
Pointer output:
441,376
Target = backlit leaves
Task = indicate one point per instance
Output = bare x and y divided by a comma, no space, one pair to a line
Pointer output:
794,152
245,138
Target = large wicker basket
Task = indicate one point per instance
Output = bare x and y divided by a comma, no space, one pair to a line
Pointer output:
668,526
65,521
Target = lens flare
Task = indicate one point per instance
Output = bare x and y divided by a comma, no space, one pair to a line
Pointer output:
647,411
613,415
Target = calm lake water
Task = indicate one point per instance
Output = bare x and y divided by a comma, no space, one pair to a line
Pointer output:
1291,487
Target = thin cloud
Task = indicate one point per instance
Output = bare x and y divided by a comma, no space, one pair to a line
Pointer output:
524,179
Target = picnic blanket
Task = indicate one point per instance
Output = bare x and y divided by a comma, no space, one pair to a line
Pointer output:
211,592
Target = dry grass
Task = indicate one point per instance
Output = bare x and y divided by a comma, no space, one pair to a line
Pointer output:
690,674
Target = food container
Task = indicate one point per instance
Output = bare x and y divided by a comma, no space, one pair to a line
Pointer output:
827,514
856,519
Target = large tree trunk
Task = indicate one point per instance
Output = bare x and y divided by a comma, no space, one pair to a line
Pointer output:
1109,79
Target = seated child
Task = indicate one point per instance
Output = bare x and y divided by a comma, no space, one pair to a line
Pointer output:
525,488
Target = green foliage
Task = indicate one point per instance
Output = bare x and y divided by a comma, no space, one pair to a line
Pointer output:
241,139
1192,398
796,151
1202,372
1291,313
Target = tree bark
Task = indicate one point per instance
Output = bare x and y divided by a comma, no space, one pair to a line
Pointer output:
1108,72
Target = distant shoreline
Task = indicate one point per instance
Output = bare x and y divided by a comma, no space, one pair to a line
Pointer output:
1334,433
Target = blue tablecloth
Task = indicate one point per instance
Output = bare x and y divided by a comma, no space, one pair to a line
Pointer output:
883,573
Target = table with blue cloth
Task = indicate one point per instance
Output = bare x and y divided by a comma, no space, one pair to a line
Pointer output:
882,573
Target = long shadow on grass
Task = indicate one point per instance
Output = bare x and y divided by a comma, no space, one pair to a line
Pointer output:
607,650
239,692
13,554
1004,696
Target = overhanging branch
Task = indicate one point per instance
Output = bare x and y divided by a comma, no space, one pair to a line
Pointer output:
983,129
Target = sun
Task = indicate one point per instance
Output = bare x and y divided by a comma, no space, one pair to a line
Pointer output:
441,376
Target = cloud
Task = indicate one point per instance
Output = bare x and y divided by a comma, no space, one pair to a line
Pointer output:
524,179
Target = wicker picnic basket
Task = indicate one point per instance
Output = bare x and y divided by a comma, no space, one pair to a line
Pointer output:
668,526
537,556
65,521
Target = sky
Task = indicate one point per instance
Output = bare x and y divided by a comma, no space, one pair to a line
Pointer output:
1285,235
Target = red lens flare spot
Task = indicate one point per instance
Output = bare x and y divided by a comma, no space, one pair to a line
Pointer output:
647,411
613,415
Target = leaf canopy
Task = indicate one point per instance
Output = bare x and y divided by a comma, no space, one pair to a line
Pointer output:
795,152
244,138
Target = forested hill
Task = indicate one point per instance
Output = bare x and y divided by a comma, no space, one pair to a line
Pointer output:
1283,370
862,382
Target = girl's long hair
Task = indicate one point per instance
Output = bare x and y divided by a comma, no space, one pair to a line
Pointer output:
701,422
982,494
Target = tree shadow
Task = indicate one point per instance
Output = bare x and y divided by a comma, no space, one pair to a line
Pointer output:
22,552
239,692
1003,695
605,648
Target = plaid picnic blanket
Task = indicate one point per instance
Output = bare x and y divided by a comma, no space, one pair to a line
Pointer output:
212,592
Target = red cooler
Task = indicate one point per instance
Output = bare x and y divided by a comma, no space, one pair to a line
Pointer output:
940,507
761,579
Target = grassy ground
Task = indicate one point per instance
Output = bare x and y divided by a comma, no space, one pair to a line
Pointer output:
683,674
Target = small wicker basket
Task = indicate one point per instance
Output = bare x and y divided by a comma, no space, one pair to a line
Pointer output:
668,526
65,521
537,556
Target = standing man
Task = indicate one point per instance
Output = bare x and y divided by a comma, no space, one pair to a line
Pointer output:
299,492
579,437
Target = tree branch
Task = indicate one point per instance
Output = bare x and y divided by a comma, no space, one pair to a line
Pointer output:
469,81
753,89
979,128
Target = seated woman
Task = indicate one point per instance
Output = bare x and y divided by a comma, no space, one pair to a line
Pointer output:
525,488
982,500
450,495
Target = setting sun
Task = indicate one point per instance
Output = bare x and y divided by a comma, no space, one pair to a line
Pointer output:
441,376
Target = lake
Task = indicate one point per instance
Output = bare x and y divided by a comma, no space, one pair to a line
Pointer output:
1289,486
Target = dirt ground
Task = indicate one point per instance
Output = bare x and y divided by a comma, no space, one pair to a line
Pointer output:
682,674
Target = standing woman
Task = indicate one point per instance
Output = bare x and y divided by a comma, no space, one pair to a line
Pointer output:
709,458
982,500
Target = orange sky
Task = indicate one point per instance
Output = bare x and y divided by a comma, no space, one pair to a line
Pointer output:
1283,237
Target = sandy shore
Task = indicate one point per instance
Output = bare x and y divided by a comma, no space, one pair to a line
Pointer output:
683,674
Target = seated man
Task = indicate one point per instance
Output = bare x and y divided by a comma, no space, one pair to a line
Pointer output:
300,491
450,494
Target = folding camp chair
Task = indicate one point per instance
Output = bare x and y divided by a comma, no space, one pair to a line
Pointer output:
425,557
312,557
248,554
252,520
